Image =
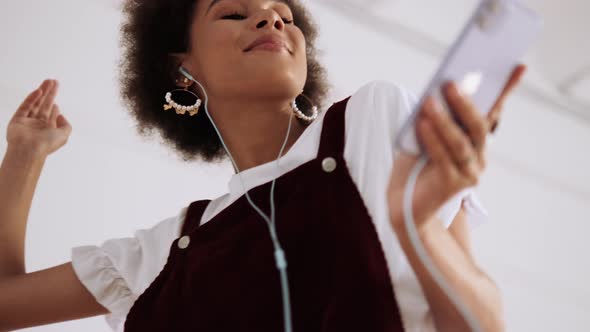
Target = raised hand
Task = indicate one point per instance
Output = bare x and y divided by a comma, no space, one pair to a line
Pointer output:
37,124
457,156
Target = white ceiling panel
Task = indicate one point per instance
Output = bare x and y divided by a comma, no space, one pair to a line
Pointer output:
581,89
447,16
556,57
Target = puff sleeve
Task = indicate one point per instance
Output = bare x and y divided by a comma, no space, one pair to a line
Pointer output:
120,270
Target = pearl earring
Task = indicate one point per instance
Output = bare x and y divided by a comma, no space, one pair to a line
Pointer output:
299,114
182,109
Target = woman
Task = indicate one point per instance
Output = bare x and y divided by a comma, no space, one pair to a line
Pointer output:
334,219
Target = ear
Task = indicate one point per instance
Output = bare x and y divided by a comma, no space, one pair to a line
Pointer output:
177,60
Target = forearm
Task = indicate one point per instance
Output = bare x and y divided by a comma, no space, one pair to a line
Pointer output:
473,286
19,173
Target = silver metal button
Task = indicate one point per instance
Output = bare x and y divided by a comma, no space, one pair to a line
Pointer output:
183,242
329,164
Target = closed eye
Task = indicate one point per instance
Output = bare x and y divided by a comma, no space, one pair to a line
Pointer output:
241,17
234,15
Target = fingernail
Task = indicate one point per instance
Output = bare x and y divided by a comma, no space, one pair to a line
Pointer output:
494,127
436,107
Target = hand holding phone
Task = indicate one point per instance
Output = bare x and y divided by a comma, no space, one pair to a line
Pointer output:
456,140
482,63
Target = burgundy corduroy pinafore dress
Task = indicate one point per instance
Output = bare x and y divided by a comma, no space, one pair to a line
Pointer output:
226,279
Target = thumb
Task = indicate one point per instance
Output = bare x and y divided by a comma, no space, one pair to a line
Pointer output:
62,122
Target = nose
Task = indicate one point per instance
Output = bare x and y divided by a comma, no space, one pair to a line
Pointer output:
270,18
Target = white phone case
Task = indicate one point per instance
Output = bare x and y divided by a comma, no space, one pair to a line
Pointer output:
481,60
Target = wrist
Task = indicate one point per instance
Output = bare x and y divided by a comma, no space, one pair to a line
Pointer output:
423,226
22,154
424,213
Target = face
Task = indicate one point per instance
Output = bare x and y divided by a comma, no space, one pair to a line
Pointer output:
221,33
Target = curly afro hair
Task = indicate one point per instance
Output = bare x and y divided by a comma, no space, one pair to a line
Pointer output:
151,32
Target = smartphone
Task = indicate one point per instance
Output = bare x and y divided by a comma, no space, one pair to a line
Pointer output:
481,60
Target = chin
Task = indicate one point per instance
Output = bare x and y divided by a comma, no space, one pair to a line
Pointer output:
280,84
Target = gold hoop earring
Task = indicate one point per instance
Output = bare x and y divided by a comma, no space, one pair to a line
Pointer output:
182,109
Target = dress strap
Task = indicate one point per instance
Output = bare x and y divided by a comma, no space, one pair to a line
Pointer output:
333,135
193,215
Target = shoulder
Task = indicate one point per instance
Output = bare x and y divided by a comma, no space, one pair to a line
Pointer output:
381,93
379,103
117,271
376,111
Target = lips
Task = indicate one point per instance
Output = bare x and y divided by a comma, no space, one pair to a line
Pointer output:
268,39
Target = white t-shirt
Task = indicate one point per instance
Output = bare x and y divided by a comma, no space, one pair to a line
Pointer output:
120,270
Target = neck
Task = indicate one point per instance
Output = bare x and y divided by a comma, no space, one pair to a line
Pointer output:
254,131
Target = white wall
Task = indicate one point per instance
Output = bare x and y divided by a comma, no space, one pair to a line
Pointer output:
107,182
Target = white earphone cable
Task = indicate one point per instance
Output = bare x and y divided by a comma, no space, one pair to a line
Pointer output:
280,259
416,243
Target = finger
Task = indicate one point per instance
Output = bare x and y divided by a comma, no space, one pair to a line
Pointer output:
465,158
494,126
433,145
53,115
43,88
27,104
46,88
46,105
456,141
512,83
467,113
63,123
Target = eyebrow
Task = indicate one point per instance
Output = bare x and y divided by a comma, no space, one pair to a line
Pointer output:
216,1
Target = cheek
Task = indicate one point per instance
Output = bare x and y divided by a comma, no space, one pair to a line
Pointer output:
302,55
221,43
302,63
217,51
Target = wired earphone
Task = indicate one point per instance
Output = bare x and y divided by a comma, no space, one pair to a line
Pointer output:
280,259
